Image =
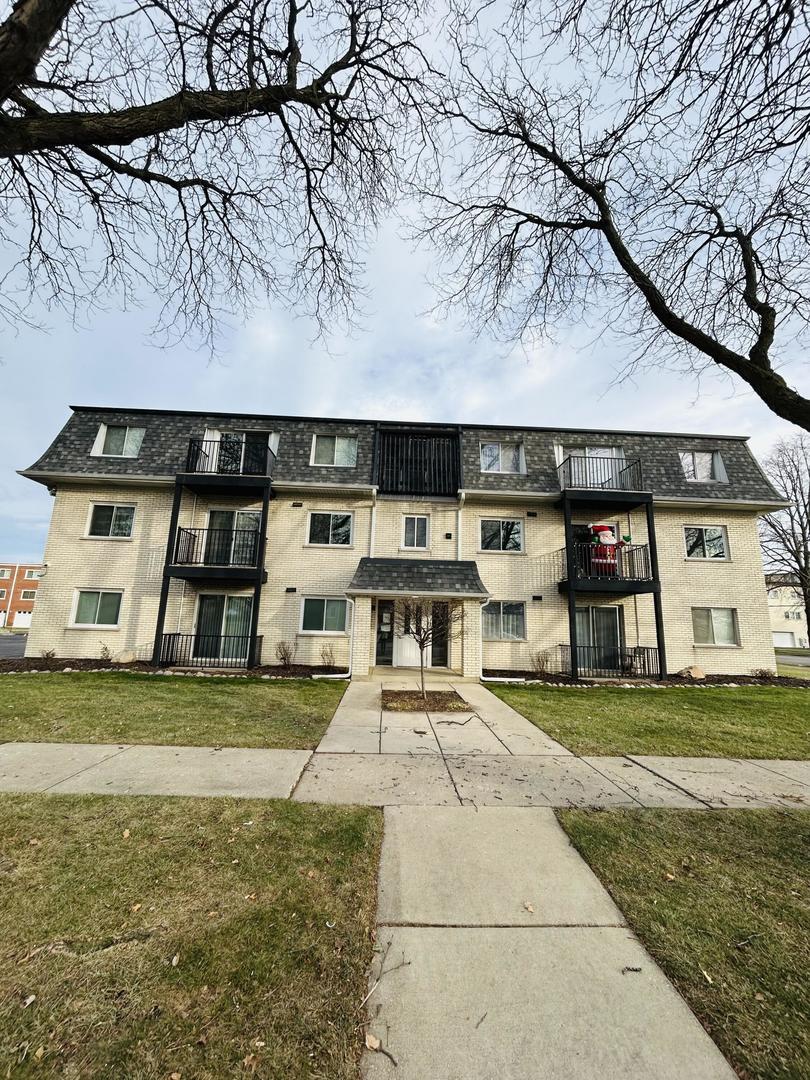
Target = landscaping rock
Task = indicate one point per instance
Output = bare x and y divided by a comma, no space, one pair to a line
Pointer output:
693,672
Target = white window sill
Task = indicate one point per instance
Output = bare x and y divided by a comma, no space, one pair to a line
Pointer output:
330,547
91,626
124,457
504,640
498,551
708,645
323,465
697,559
322,633
117,539
421,550
501,472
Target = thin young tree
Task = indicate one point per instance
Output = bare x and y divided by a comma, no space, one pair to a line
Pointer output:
785,535
217,151
427,622
639,158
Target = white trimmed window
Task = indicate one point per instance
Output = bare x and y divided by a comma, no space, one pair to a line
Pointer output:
415,531
2,594
715,626
705,541
96,607
503,457
323,615
28,594
330,530
703,466
4,573
502,620
32,575
118,440
339,451
501,534
111,520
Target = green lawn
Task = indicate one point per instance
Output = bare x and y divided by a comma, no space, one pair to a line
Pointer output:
721,901
146,937
290,714
795,671
752,721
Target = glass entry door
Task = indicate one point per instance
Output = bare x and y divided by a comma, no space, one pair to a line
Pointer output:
233,537
223,627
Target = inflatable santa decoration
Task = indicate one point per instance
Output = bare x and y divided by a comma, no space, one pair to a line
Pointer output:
604,557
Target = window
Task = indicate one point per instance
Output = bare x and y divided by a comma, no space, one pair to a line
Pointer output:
705,542
2,594
715,626
337,450
502,457
96,608
415,531
118,440
28,594
332,529
501,534
503,621
32,575
320,615
4,573
108,519
701,466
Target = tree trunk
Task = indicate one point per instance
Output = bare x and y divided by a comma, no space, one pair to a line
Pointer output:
422,670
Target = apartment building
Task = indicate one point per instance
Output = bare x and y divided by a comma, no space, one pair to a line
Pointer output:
207,539
19,583
788,618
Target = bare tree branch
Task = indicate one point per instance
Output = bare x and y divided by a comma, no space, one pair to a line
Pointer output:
785,536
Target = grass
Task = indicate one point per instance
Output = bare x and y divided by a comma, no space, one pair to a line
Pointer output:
148,938
752,721
721,901
793,670
792,652
178,711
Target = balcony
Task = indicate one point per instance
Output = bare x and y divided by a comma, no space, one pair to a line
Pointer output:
417,463
208,650
611,662
225,554
612,481
243,461
625,570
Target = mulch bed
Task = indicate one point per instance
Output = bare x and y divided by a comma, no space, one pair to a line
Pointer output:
673,680
412,701
59,663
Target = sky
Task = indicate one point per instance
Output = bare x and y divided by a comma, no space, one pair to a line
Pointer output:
402,363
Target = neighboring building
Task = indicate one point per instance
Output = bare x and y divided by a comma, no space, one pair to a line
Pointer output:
19,583
787,615
207,539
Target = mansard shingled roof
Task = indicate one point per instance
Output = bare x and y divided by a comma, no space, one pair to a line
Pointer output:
164,448
418,577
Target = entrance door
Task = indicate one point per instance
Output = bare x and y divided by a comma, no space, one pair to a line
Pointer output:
223,627
385,633
406,650
598,639
438,646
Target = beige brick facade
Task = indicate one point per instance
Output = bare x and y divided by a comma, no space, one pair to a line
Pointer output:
135,566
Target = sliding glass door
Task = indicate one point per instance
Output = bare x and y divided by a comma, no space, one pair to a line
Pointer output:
232,538
599,638
223,627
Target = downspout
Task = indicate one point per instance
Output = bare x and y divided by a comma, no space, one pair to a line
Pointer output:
344,674
459,519
372,533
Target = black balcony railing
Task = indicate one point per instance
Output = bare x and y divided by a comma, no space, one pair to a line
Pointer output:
600,473
610,661
208,650
216,547
231,456
628,563
417,464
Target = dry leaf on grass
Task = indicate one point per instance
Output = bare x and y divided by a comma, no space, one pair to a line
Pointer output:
29,1000
125,834
176,959
707,976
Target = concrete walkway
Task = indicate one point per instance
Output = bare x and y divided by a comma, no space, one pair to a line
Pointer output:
499,954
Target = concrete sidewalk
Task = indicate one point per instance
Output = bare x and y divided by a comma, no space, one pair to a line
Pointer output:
499,954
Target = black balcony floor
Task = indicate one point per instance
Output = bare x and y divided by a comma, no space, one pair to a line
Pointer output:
219,574
612,585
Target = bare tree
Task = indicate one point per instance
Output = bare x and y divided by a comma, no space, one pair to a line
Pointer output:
215,150
646,157
785,536
427,622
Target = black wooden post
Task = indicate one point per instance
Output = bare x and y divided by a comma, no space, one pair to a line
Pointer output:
164,587
257,587
659,614
572,596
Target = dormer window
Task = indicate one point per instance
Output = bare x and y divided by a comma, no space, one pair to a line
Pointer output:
337,451
703,466
118,440
502,457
